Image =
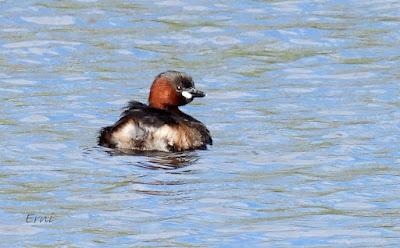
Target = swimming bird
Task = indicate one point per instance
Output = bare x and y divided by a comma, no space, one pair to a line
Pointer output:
160,125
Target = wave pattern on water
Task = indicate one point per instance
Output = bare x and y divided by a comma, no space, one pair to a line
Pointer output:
303,105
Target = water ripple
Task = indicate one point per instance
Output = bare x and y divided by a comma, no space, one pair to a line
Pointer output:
302,103
50,20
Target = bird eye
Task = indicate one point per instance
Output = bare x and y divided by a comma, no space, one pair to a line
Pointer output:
179,87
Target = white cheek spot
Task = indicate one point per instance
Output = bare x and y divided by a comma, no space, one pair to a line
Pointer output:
187,95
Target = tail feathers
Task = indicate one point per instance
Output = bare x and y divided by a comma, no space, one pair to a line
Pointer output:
105,137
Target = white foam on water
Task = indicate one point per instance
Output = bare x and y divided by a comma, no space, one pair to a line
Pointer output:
110,197
254,34
220,5
50,20
35,118
304,42
46,146
356,205
30,61
147,42
19,230
76,78
225,40
336,112
161,235
11,90
124,52
230,95
254,10
287,6
349,76
11,30
38,43
19,81
180,18
195,8
41,51
209,29
3,75
170,3
298,90
86,116
119,102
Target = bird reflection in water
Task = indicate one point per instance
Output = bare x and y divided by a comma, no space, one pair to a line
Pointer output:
160,160
172,163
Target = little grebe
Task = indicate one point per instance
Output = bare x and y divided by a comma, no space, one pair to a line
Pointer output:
160,126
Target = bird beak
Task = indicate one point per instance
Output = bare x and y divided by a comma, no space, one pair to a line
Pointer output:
196,92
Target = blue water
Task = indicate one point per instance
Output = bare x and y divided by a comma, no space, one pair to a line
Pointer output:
303,106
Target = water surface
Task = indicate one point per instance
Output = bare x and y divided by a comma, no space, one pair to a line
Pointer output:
303,105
